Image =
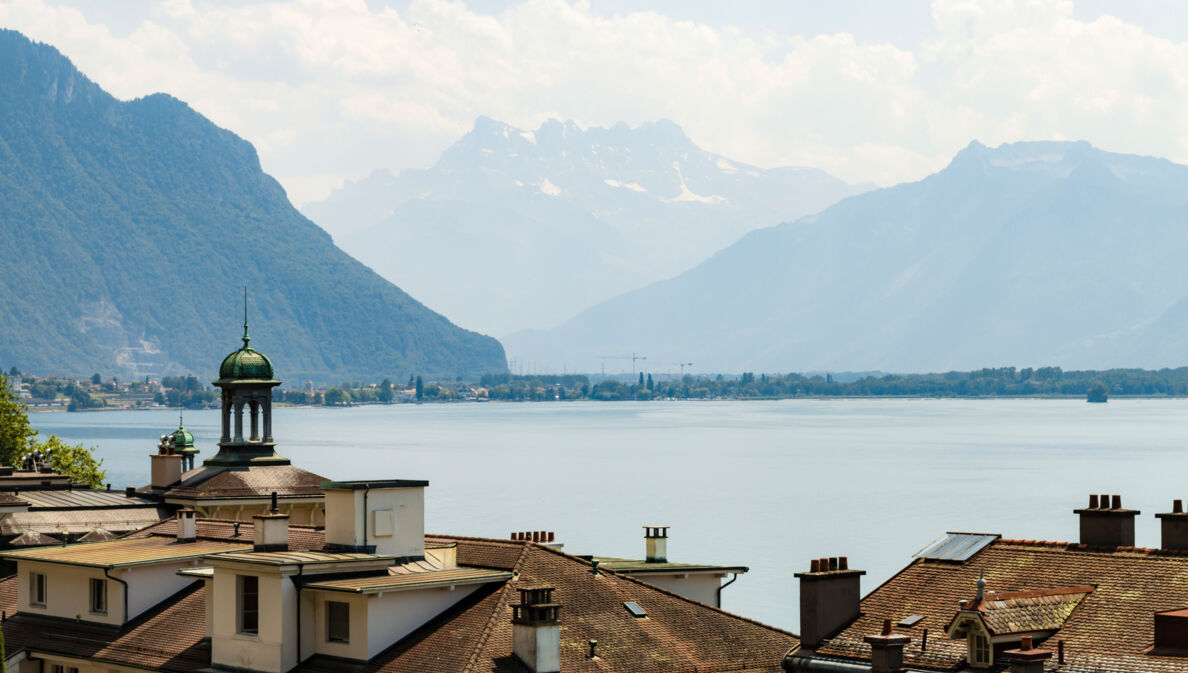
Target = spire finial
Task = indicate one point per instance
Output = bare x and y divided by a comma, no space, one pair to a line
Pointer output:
246,338
982,585
180,422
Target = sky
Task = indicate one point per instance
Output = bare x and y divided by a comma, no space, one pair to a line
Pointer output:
886,92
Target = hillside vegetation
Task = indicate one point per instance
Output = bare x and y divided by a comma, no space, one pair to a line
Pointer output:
129,230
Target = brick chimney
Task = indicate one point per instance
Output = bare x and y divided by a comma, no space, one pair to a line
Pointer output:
1174,525
829,598
1027,659
187,525
166,465
271,530
656,541
1104,523
536,630
886,650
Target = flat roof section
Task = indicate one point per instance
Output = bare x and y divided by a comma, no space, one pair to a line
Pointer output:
379,483
281,558
630,565
124,552
416,580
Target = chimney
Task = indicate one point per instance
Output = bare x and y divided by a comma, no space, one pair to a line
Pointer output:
829,598
536,630
1027,659
166,469
886,650
376,517
1174,526
656,540
271,530
1105,524
187,525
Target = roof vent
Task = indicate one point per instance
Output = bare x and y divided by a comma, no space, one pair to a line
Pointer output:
1171,633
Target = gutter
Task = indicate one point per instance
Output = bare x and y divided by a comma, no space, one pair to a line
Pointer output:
811,664
107,574
733,579
366,490
300,571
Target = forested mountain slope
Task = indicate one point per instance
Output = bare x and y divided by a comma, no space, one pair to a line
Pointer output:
128,231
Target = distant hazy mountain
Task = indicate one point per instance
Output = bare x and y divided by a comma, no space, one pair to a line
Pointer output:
1028,254
129,229
514,228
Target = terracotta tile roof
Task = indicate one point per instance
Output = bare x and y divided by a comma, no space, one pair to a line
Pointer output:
1009,612
678,635
219,483
1110,629
167,638
473,636
301,538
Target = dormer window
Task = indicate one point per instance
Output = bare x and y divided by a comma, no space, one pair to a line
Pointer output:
37,589
979,650
249,604
98,596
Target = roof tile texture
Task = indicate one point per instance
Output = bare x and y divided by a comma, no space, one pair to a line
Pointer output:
1110,629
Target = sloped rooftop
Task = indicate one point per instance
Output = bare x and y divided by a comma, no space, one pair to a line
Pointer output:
258,481
475,635
1109,628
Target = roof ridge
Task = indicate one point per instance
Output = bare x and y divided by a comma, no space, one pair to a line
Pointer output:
665,591
1095,549
489,627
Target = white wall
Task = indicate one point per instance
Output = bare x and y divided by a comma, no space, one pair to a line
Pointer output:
148,585
68,592
356,648
348,524
702,588
393,616
274,647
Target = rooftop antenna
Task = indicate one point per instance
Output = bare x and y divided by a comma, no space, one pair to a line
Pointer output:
246,338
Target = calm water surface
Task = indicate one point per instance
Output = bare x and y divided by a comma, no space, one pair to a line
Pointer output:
765,484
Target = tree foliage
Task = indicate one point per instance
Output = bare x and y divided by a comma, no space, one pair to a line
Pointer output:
18,439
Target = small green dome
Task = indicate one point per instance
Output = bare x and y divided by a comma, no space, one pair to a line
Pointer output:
246,364
182,439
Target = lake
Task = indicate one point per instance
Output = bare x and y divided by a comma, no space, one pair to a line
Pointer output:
767,484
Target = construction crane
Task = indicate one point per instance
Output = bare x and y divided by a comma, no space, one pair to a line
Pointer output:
682,365
633,357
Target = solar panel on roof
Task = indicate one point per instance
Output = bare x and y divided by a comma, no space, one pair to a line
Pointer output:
959,547
910,621
634,609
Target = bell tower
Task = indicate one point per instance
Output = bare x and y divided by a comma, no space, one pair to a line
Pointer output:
246,379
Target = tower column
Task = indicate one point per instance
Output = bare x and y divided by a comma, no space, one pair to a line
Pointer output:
255,413
226,436
238,421
268,419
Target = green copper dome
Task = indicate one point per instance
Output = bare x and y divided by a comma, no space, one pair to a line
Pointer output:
182,439
245,364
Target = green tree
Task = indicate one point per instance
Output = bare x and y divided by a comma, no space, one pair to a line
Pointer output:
336,397
1098,392
18,439
385,391
420,388
96,379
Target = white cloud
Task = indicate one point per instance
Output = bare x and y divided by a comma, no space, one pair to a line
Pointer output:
329,89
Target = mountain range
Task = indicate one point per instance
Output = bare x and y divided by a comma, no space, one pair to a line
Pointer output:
1032,253
129,231
515,228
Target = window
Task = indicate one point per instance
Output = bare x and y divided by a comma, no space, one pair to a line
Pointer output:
249,604
58,668
981,649
98,596
338,622
37,589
